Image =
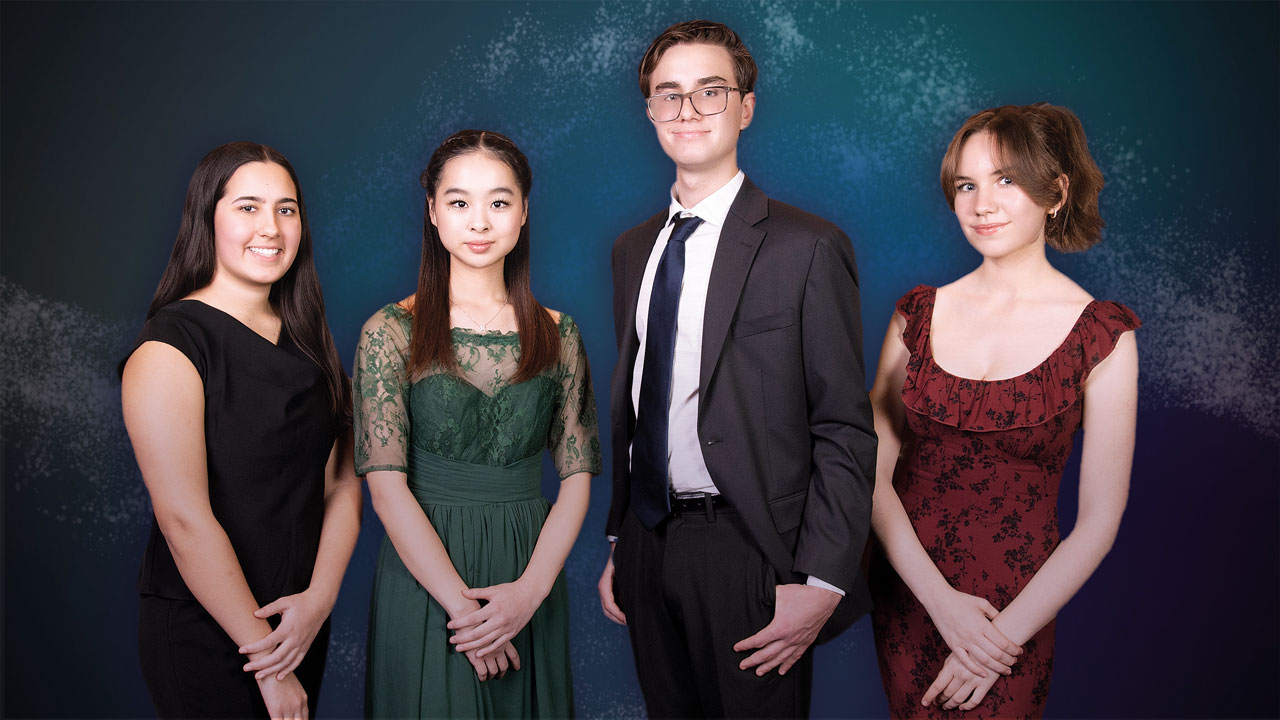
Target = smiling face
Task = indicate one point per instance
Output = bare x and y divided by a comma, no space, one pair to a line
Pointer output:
997,217
702,144
256,226
478,210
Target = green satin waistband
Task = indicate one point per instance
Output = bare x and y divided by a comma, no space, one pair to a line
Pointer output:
439,481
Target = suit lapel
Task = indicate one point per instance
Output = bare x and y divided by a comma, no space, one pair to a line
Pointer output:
735,252
637,256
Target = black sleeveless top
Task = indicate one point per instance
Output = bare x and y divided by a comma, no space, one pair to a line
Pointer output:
268,432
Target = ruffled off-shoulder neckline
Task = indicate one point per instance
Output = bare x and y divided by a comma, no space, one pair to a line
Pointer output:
1029,399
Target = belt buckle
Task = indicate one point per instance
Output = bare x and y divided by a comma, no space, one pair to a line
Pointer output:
708,504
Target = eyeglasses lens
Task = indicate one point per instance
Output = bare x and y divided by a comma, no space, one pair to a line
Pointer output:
706,101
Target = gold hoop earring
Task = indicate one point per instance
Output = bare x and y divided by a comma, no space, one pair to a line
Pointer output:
1054,214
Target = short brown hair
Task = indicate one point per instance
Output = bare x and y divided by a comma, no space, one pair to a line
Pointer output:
1035,145
703,32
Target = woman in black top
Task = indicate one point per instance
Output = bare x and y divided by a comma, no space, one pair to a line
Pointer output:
238,409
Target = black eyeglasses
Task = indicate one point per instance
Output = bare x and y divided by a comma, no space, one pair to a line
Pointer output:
710,100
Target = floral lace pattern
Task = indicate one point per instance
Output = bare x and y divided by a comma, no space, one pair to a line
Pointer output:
476,416
980,486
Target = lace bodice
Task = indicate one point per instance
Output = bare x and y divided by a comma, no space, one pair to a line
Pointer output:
478,416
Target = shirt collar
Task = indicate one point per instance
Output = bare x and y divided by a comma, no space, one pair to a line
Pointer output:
715,207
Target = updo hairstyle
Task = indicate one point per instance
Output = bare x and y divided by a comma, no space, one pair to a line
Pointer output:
1035,145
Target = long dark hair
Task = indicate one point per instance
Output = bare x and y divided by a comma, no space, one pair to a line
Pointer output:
296,297
432,343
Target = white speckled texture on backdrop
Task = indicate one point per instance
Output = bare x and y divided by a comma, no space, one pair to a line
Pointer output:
856,103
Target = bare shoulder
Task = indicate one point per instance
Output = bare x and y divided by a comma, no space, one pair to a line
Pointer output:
555,315
1068,291
159,380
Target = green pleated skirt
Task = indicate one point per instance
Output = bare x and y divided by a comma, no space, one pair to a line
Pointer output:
488,519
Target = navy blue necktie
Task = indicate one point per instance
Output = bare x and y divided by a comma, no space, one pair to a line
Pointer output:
650,500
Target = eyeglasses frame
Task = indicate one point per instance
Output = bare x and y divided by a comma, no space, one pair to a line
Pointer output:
689,96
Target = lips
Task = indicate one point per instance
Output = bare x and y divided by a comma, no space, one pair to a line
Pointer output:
479,247
988,228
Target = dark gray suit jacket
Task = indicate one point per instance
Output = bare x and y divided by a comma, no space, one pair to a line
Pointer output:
783,416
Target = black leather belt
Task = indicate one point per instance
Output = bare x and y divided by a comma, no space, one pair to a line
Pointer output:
700,503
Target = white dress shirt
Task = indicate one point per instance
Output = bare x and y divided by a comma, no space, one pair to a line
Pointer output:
687,469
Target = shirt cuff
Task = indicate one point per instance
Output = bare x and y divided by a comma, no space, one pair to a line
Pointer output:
815,582
611,538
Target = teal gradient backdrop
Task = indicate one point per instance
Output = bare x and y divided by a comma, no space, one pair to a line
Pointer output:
108,107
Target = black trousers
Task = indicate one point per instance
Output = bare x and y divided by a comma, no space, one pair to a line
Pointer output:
691,588
193,669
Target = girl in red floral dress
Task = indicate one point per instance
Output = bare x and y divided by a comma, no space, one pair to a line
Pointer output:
981,386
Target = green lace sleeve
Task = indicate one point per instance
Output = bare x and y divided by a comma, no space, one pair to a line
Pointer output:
381,389
574,439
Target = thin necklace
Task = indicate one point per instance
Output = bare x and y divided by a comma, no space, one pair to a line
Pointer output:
484,326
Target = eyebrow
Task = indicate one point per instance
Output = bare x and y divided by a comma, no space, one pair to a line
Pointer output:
997,171
672,85
493,191
253,198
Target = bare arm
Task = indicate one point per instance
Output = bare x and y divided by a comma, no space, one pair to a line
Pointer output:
343,503
163,401
416,541
510,605
575,451
423,554
1110,420
962,619
303,614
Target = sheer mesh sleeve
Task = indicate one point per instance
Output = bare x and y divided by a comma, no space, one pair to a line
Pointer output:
381,388
573,439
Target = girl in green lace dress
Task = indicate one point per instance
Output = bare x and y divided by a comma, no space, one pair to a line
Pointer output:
459,388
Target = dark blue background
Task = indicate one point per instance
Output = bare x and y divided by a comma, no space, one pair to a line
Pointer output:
107,108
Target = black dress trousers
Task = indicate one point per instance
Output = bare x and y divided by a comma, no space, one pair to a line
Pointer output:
691,588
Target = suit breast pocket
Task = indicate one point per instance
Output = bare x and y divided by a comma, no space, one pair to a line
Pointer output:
764,323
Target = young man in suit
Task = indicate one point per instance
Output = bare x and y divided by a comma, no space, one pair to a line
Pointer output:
743,443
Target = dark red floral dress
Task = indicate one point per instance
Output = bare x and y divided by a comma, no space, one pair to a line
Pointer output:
980,483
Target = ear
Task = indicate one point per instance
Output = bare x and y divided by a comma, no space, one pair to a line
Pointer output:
1063,183
431,211
524,215
748,110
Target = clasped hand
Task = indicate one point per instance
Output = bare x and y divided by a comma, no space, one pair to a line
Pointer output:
964,621
799,613
301,617
485,633
956,686
285,699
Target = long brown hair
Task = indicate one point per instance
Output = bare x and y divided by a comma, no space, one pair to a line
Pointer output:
1036,144
296,297
431,344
